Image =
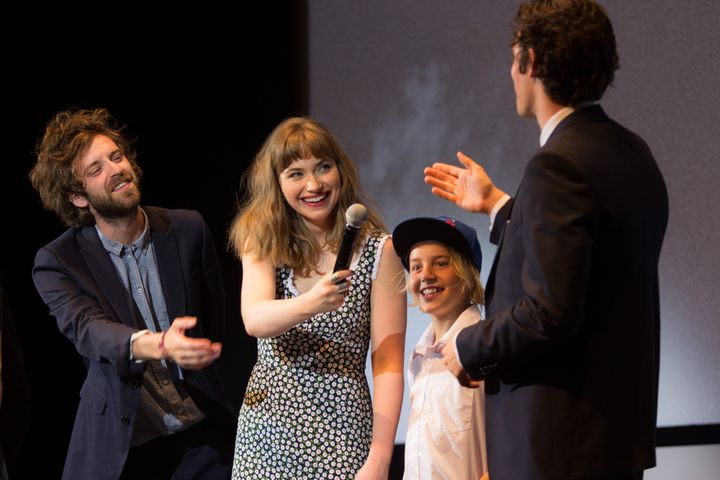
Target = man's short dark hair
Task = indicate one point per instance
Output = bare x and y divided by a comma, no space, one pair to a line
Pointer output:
574,46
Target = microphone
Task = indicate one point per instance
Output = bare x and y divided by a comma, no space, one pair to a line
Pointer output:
355,216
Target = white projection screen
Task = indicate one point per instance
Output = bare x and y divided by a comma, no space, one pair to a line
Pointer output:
405,83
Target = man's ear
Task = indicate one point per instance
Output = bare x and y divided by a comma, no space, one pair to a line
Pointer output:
78,201
531,62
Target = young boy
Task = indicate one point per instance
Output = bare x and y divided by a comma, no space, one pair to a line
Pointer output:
446,429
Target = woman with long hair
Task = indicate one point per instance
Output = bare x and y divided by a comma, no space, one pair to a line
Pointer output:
307,411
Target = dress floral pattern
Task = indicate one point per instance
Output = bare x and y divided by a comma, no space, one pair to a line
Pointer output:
307,412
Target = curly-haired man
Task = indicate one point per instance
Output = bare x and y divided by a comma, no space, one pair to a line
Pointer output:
136,290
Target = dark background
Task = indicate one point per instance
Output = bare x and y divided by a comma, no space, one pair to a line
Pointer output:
199,91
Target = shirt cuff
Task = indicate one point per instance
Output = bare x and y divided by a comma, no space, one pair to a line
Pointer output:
134,337
496,208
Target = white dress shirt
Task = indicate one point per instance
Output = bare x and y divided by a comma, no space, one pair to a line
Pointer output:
446,429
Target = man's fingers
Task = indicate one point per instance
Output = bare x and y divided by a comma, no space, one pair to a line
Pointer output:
437,182
197,356
465,160
189,344
196,359
442,171
471,164
448,187
465,380
443,194
184,323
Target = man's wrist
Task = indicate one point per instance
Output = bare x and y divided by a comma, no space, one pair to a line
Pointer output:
161,346
134,337
499,203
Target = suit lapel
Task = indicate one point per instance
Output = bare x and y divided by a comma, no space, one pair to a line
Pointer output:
169,264
106,277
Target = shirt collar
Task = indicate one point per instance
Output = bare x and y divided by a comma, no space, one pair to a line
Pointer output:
469,316
116,248
425,345
558,117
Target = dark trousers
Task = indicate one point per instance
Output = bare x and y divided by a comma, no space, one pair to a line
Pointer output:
195,453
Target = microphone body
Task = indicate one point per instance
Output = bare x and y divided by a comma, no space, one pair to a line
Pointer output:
355,217
346,248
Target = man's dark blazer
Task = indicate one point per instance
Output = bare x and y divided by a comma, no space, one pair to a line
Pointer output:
77,280
573,316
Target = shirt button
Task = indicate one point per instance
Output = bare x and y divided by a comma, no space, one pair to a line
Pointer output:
125,420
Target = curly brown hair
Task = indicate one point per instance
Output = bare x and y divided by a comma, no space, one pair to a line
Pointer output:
574,47
67,136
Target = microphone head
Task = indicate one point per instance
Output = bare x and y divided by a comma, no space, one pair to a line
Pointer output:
356,215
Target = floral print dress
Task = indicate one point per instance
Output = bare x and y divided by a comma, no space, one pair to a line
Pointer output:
307,412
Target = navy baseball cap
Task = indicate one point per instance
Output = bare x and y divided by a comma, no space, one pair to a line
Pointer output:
443,229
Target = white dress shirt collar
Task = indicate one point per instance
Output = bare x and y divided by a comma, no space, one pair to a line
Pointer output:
559,116
553,122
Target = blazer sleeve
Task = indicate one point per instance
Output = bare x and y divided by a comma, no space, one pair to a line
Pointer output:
545,263
80,317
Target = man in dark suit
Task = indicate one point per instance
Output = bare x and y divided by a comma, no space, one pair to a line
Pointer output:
569,349
138,291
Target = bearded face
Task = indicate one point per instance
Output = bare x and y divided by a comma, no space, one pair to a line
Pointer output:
112,189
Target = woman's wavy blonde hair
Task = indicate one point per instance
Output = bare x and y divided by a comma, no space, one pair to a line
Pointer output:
266,226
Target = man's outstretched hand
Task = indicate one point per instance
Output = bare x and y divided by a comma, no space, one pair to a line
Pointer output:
188,352
468,186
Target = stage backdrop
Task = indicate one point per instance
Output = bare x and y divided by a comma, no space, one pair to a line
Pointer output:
407,83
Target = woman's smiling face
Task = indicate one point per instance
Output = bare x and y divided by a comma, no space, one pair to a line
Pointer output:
311,187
